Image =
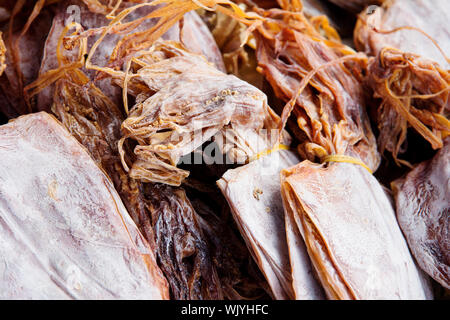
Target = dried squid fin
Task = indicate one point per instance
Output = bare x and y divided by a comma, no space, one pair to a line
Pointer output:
298,220
304,278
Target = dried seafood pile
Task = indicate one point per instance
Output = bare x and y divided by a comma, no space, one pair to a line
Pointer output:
218,149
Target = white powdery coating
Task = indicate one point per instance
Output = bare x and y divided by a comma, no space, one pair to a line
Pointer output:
64,232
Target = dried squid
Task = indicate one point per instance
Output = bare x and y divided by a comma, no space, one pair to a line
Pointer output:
93,22
409,70
197,107
350,231
24,38
65,233
423,212
177,111
253,193
321,81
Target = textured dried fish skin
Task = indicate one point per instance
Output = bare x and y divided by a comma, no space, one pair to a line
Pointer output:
159,211
188,109
423,212
351,233
181,247
78,241
411,78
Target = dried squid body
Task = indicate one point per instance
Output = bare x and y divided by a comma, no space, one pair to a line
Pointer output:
351,234
423,212
253,193
64,232
179,110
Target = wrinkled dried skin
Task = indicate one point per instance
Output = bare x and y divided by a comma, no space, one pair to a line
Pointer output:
181,249
350,231
423,212
195,35
239,276
428,16
253,193
188,109
65,232
394,76
95,121
331,109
